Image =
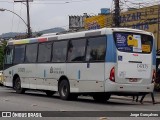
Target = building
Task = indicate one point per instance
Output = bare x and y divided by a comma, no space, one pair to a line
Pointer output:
144,18
77,22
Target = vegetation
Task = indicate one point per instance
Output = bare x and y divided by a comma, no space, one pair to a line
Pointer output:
2,48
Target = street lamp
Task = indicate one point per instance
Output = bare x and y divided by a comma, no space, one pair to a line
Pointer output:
2,10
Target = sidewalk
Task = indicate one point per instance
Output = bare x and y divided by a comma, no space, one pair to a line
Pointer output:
147,98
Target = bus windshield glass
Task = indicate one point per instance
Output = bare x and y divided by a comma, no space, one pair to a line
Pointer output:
133,42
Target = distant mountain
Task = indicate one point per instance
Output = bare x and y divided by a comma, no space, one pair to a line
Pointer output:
10,34
52,30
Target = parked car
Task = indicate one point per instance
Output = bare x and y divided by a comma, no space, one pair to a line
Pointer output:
1,77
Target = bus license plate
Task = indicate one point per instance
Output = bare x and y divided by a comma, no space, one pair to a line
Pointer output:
133,80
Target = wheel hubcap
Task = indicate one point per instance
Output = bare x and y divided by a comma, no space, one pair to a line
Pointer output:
64,90
18,85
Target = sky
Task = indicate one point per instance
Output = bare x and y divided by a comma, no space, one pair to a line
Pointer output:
44,15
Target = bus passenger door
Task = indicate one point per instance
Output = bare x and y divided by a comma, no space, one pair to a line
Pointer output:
95,66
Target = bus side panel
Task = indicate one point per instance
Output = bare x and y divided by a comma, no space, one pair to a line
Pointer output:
86,77
24,71
49,74
27,73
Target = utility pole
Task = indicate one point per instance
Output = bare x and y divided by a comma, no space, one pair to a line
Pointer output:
116,15
29,33
28,19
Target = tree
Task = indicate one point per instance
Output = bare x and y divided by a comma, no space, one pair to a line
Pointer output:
2,48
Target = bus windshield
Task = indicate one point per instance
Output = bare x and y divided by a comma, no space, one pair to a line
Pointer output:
133,42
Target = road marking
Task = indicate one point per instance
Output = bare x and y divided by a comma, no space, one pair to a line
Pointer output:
6,99
103,118
33,105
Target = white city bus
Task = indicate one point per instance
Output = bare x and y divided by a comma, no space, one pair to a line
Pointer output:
97,62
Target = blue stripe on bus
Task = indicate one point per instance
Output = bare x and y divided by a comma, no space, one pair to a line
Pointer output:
154,53
111,49
79,74
44,73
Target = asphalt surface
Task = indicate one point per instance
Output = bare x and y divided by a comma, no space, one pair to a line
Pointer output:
38,101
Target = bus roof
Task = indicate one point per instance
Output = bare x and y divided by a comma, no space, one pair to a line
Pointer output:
88,33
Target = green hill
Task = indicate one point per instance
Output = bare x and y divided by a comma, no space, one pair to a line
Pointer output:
13,34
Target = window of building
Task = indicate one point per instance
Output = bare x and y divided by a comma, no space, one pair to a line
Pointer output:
96,49
44,54
76,50
59,51
19,54
9,55
31,53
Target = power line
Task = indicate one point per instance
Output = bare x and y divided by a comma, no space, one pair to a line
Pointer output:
19,18
52,1
28,17
6,1
58,2
12,20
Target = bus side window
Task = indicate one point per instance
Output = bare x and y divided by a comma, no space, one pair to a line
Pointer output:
9,55
76,50
19,54
44,52
96,49
59,51
31,53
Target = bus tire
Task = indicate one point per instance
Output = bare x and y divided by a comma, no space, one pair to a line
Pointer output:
101,97
49,93
64,90
17,86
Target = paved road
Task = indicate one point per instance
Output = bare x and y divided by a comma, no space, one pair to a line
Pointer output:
37,101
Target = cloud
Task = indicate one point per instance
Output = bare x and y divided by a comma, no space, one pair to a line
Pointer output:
44,16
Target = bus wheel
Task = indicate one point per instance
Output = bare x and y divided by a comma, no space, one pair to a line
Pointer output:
17,86
49,93
101,97
64,90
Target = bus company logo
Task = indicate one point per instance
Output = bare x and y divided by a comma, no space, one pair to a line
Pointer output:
51,70
142,66
6,114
